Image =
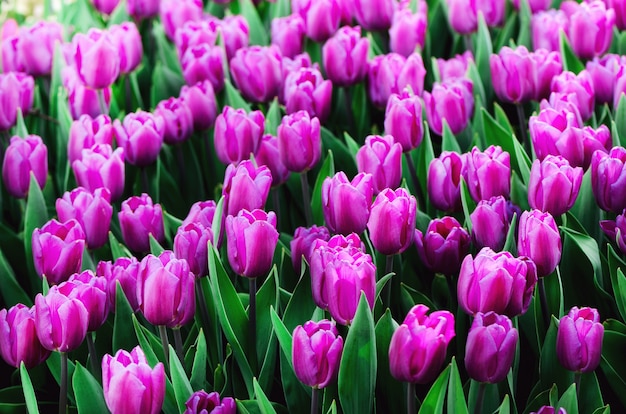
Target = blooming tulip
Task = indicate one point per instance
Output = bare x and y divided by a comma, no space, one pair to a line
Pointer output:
138,219
374,14
200,98
451,102
58,250
82,100
554,185
202,403
175,13
546,28
93,212
288,34
535,5
196,32
237,134
123,270
316,353
10,99
302,244
190,244
127,40
391,73
581,85
444,181
539,239
490,223
97,59
579,340
26,89
443,245
307,90
455,67
403,119
141,136
177,118
346,204
408,29
321,17
616,230
299,141
23,157
18,337
590,28
245,187
92,291
204,62
36,46
268,154
547,66
392,221
608,172
201,212
463,14
236,33
141,9
604,74
513,74
381,157
105,6
345,56
100,166
86,132
257,72
488,173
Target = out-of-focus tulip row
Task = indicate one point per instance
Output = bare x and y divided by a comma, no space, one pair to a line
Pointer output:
280,206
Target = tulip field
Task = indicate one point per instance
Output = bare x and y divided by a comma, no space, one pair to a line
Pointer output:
324,206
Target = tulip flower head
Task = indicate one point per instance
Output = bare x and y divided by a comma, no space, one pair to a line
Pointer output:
579,340
18,337
316,353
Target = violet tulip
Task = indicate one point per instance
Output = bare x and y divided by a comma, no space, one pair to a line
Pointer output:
455,67
288,34
86,132
391,73
139,218
590,28
346,204
123,270
535,5
444,244
302,244
236,33
403,119
496,282
26,90
237,134
141,135
490,223
11,59
204,62
418,347
105,6
190,243
316,353
408,29
82,100
488,173
616,230
58,250
579,340
25,157
547,66
201,402
539,239
619,7
604,74
619,86
130,371
490,348
581,85
546,28
307,90
142,9
546,409
554,185
201,212
101,166
451,102
299,141
345,56
18,337
177,118
175,13
381,157
93,212
92,291
36,46
608,172
97,59
392,221
322,17
374,14
257,72
463,14
196,32
127,40
200,98
245,187
444,181
9,100
251,240
513,74
268,154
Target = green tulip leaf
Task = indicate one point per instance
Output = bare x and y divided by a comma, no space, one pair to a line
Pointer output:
258,33
382,282
155,247
618,280
273,118
180,382
353,146
570,62
264,403
234,98
620,115
612,364
468,205
88,391
123,321
552,372
327,170
456,397
11,292
118,249
198,369
433,402
267,297
449,141
505,407
279,8
484,49
525,14
284,336
569,400
29,392
20,129
341,153
35,216
390,396
510,245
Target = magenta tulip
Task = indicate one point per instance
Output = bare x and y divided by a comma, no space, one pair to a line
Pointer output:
392,221
101,167
25,157
579,340
346,204
139,218
93,212
18,337
316,353
58,250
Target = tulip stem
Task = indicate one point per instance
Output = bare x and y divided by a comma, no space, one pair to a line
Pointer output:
128,98
252,322
63,391
452,290
178,343
93,355
315,400
144,180
166,345
388,269
180,160
348,95
544,303
416,183
104,110
306,199
468,43
522,127
204,312
410,398
276,204
577,378
478,408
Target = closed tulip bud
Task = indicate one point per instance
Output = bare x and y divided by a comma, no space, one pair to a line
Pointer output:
123,270
141,136
191,243
245,187
302,244
444,181
513,73
321,17
579,340
546,409
251,240
619,7
130,371
202,213
403,119
535,5
490,223
451,102
127,40
619,86
455,67
138,219
554,185
200,98
142,9
201,402
58,250
608,172
316,353
299,141
97,59
418,347
105,6
9,100
237,134
82,100
23,157
36,46
196,32
175,13
381,157
236,33
604,74
496,282
345,56
26,88
391,73
204,62
590,28
581,85
178,120
567,102
546,28
12,60
289,66
307,90
257,72
443,246
346,204
18,337
374,14
408,29
92,291
268,154
616,230
539,239
488,173
288,34
547,66
392,221
87,132
93,212
490,347
462,16
100,166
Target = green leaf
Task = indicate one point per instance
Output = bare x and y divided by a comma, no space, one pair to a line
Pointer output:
510,245
264,403
390,396
198,369
155,248
165,83
351,143
456,396
449,142
12,293
273,118
123,321
327,170
433,402
484,50
118,249
267,297
570,62
620,116
284,336
88,391
505,407
279,8
216,226
468,205
550,370
357,370
180,382
569,401
20,126
29,392
258,34
612,364
36,216
523,38
234,98
340,152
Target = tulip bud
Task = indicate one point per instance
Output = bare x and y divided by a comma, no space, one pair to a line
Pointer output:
97,59
202,403
92,291
294,65
607,174
61,319
18,337
490,222
245,187
496,282
138,219
513,74
408,29
374,14
463,14
12,60
546,409
194,33
288,34
604,74
299,141
535,5
142,9
200,98
392,221
490,348
82,100
93,212
316,353
127,40
58,250
455,67
302,244
590,28
237,135
251,241
616,230
105,6
579,340
141,136
191,243
345,56
204,62
175,13
391,73
36,46
443,246
418,347
10,98
26,89
554,185
403,119
307,90
236,33
488,173
257,72
444,181
130,371
539,239
100,166
202,213
451,102
178,120
547,66
23,157
268,154
321,17
620,86
123,270
87,132
382,158
546,28
581,85
346,204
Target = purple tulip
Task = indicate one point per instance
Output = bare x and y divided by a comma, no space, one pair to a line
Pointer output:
392,221
490,223
463,14
100,166
268,154
444,181
381,157
175,13
245,187
36,44
142,9
105,6
608,172
443,245
418,347
322,17
18,337
129,371
302,244
257,72
374,14
191,243
97,59
579,340
316,353
294,65
307,90
408,29
127,40
604,74
202,213
567,102
138,219
141,136
11,59
547,66
93,212
123,270
26,91
581,85
546,409
590,28
10,98
236,34
345,56
58,250
177,118
554,185
202,403
86,132
535,5
496,282
299,141
616,230
451,102
196,32
619,7
288,34
391,73
539,239
200,98
92,291
237,134
403,119
455,67
490,347
546,28
251,240
204,62
24,157
346,204
513,73
619,86
488,173
82,100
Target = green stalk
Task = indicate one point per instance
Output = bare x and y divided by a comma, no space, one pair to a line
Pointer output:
63,391
252,323
166,345
410,398
104,110
315,400
478,409
306,199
